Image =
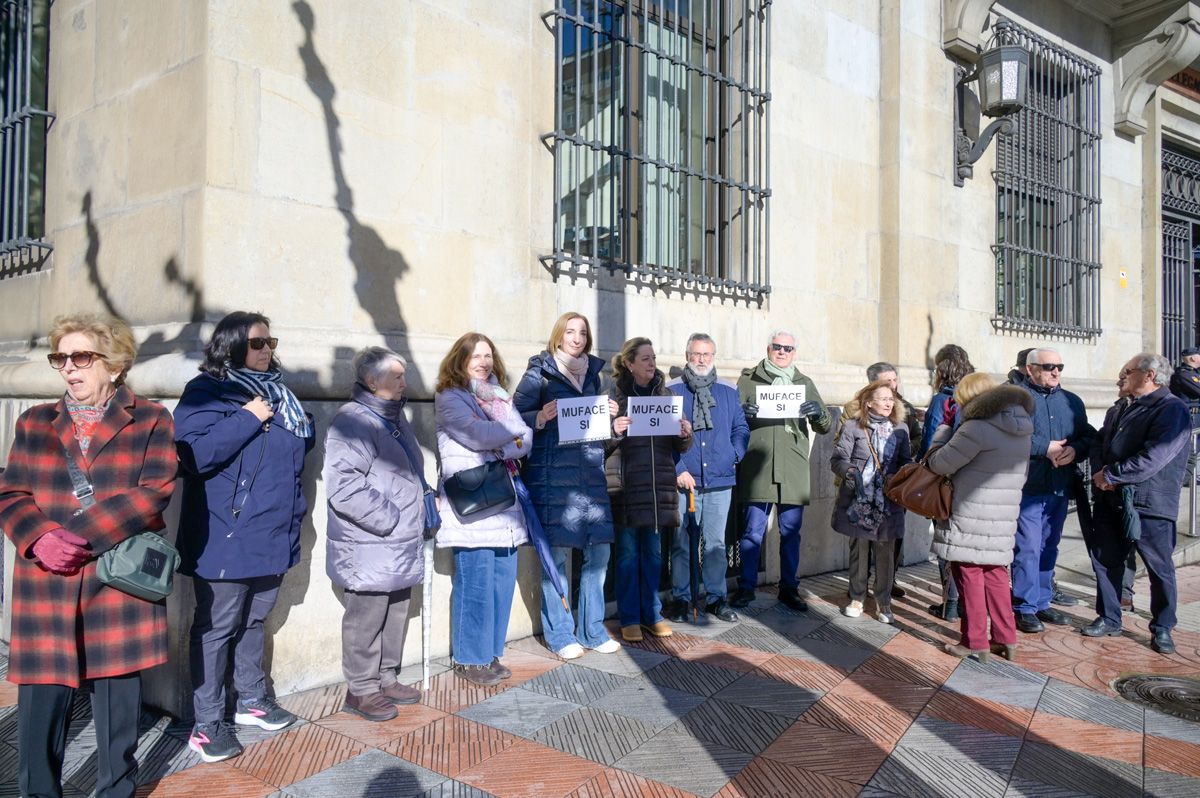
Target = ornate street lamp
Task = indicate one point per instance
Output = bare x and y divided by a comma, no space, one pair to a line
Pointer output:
1003,75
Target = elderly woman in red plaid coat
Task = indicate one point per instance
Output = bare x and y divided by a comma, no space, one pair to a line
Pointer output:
69,629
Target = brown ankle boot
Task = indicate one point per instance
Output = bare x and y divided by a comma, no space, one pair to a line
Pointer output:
401,694
1006,650
372,706
963,652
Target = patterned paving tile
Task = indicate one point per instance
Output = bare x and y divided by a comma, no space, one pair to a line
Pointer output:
855,632
653,705
915,773
316,703
529,770
451,745
449,693
967,744
1163,725
1005,684
1160,784
295,755
843,756
595,734
692,677
684,762
576,684
789,625
903,696
533,645
373,774
629,661
769,695
1071,701
612,783
1046,765
757,638
410,718
415,673
671,646
1082,737
734,726
806,673
979,712
526,665
8,694
724,655
1173,755
519,711
765,778
838,656
907,659
207,781
875,721
160,755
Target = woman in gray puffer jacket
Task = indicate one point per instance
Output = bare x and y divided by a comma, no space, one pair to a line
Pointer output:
374,484
986,459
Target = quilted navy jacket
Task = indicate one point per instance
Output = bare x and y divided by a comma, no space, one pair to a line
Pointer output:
567,483
220,445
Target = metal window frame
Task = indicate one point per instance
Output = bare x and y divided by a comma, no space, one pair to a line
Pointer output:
706,176
1048,196
1180,266
19,117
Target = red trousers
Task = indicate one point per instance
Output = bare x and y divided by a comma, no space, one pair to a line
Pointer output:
984,592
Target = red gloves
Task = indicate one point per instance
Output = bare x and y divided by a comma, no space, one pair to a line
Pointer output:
61,552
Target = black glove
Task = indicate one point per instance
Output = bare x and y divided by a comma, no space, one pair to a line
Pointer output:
750,409
811,409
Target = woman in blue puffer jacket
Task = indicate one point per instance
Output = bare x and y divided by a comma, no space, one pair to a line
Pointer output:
568,485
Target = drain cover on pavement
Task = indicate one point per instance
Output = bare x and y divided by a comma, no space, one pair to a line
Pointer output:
1174,695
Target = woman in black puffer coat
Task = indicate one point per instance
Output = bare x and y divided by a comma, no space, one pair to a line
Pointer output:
641,485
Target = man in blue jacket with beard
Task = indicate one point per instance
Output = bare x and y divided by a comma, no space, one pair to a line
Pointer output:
708,472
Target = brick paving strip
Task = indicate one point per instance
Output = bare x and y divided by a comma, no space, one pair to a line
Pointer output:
779,704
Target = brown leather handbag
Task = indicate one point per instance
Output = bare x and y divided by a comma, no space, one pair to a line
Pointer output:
915,487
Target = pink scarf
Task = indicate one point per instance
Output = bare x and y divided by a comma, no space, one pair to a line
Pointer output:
495,401
573,368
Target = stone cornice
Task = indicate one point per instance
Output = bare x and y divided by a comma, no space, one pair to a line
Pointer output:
962,27
1145,62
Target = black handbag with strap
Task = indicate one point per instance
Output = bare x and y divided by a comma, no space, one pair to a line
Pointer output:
481,491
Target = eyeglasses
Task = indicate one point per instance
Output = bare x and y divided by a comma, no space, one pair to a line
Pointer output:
782,348
700,355
80,360
1048,366
258,343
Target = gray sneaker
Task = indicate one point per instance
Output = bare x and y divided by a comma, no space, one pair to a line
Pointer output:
264,713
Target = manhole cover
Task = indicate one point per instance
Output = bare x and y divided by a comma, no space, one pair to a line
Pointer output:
1174,695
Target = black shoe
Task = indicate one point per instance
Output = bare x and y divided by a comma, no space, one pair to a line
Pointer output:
721,610
679,611
898,592
1099,628
214,741
947,611
1162,642
741,598
1051,615
1028,623
790,598
1063,600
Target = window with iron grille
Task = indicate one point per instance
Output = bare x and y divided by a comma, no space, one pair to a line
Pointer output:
1048,196
24,56
661,141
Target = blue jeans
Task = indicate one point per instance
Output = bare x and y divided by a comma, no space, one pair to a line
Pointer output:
587,628
480,603
712,511
791,517
1039,529
639,569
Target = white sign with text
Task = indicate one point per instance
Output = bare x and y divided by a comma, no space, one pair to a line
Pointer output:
779,401
583,419
655,415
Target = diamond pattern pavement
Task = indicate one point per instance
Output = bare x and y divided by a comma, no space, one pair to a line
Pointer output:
778,704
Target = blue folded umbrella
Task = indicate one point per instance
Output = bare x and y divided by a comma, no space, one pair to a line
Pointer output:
537,535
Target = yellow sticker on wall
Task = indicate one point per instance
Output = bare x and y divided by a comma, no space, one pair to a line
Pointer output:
1124,281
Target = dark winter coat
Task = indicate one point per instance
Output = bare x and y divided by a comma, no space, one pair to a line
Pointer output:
69,628
1145,446
1057,414
641,470
713,457
1185,383
851,454
567,483
221,444
934,416
776,467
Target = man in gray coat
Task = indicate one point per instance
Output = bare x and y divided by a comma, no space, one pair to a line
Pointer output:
1138,463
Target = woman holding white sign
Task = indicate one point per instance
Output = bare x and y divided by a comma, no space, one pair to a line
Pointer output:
641,483
566,482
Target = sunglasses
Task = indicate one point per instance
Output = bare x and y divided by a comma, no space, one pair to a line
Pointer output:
258,343
783,348
80,360
1049,366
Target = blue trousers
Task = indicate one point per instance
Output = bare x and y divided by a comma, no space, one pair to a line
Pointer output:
1110,549
639,569
587,627
712,511
791,517
480,603
1039,529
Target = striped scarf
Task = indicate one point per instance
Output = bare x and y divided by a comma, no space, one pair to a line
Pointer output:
269,385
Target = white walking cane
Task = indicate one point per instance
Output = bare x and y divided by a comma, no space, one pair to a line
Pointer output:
426,612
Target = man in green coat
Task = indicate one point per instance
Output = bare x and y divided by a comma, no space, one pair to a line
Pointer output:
775,470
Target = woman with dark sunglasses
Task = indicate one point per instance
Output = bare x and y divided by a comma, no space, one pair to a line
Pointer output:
242,436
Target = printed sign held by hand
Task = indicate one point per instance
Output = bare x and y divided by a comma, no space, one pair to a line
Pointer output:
583,419
779,401
655,415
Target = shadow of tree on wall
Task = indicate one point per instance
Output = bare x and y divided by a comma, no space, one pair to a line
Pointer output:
377,266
